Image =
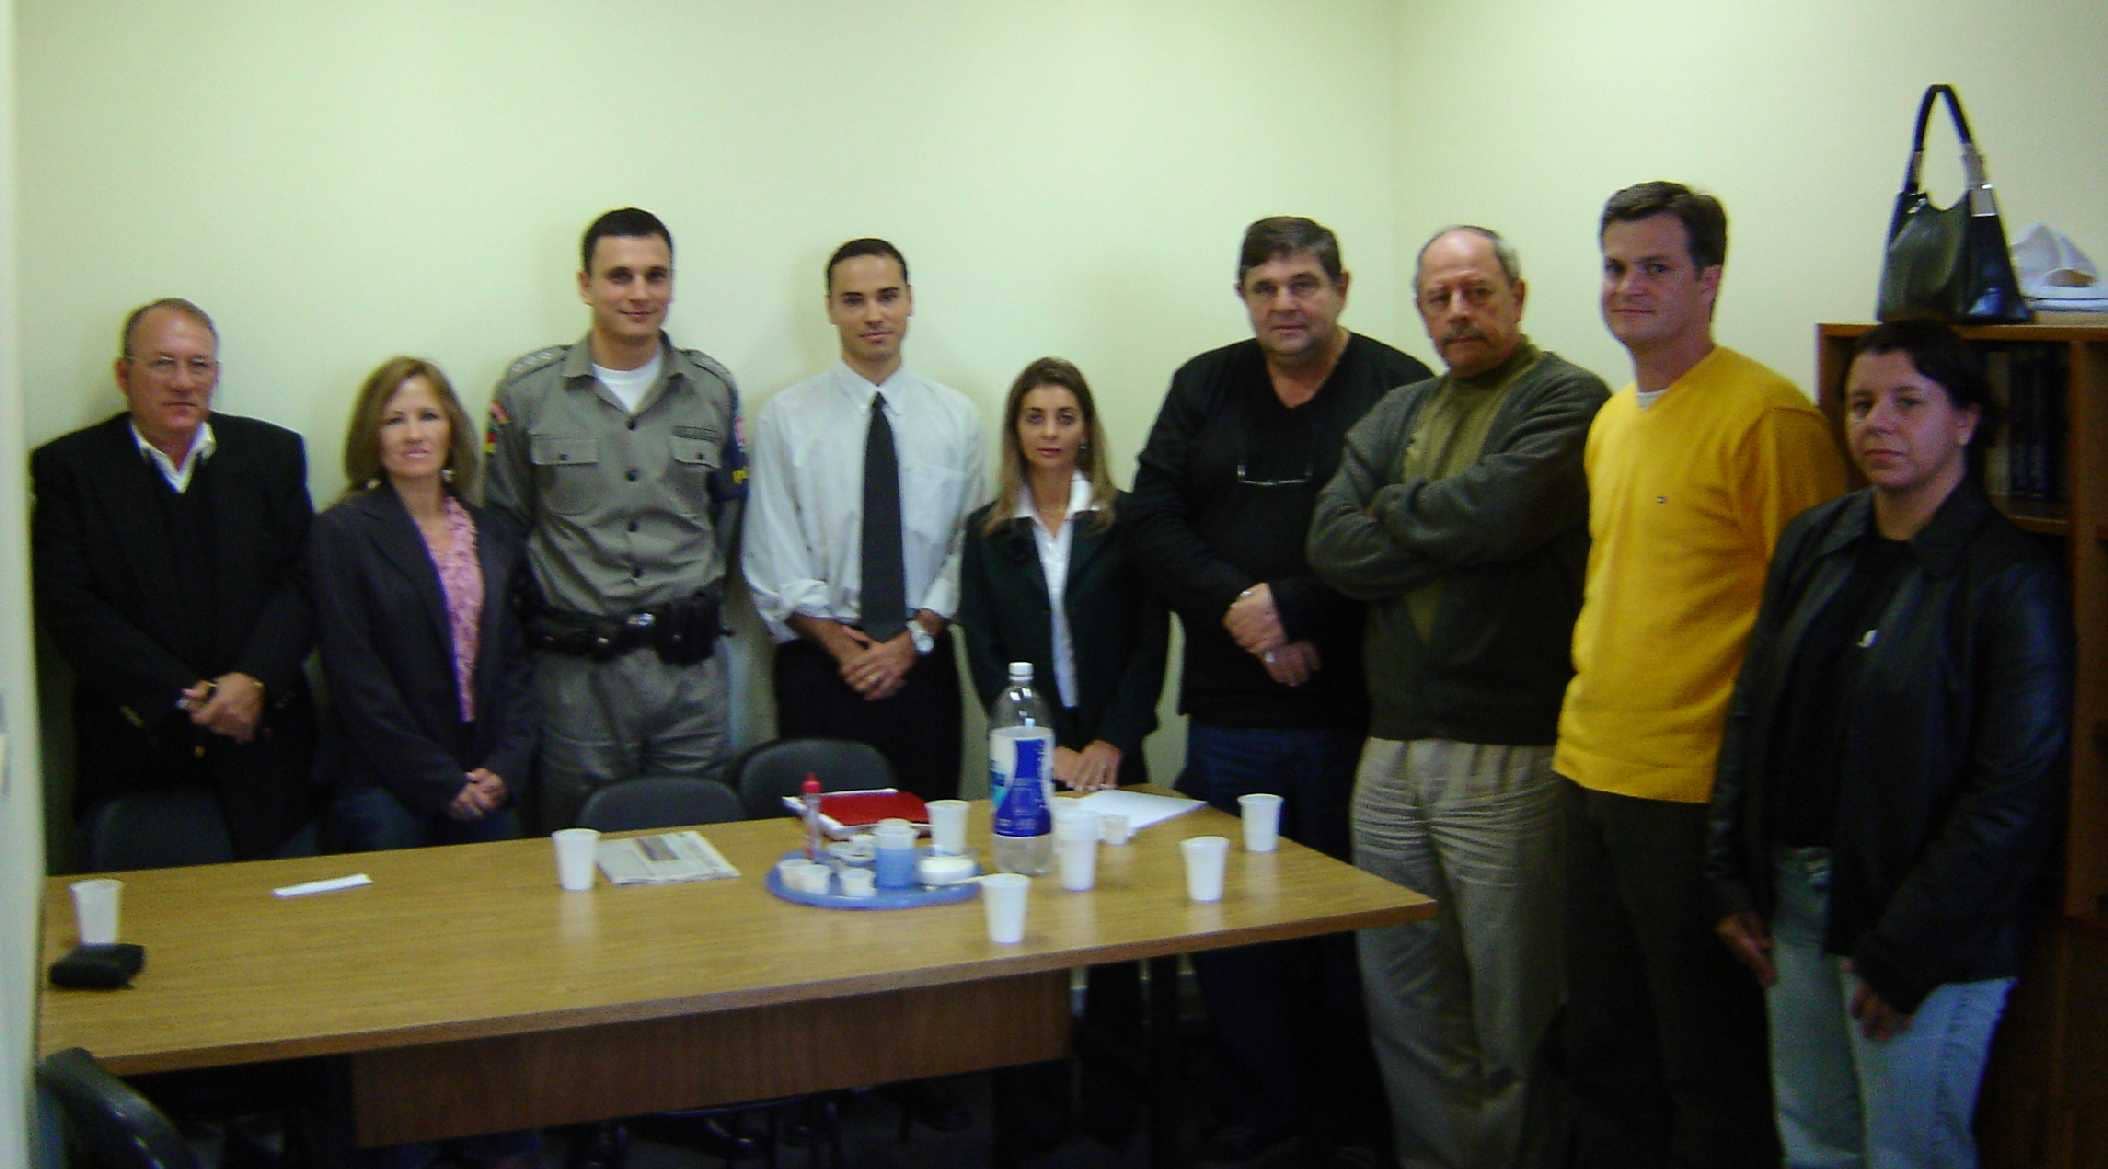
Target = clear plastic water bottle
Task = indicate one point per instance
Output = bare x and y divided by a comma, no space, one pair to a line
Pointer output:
1021,775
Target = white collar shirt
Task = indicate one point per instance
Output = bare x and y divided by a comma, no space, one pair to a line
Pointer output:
1054,550
177,474
804,524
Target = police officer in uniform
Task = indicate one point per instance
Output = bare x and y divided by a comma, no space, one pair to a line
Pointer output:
622,460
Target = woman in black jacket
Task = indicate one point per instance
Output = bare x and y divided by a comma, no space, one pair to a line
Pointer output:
1046,581
1891,774
431,723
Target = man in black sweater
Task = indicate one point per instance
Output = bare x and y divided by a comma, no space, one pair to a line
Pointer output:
1272,684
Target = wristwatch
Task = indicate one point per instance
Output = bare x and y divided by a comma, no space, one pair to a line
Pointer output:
924,640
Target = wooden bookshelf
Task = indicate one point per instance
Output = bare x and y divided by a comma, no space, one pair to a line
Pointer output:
2045,1100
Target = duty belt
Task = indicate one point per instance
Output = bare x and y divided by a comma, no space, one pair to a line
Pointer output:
682,631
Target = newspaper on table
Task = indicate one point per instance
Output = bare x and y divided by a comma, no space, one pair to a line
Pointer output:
661,858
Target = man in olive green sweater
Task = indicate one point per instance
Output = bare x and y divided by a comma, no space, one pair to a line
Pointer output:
1460,514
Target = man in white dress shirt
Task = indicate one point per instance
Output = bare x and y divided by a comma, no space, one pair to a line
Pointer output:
863,475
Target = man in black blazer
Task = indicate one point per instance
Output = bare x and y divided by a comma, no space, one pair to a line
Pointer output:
167,552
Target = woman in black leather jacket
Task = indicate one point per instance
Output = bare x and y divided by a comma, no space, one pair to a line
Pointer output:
1892,771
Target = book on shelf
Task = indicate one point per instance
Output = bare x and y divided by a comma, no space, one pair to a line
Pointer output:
2024,463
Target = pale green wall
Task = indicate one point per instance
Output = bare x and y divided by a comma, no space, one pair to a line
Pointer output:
336,183
1524,115
21,797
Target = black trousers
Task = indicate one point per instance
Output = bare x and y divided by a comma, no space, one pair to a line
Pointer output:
1664,1040
918,729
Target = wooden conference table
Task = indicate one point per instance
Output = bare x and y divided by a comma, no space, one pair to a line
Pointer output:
467,993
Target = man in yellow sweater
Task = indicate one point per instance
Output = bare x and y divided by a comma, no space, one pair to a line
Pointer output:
1693,470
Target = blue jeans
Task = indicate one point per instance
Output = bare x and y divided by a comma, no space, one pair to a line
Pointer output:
370,819
1312,770
1290,1017
1846,1100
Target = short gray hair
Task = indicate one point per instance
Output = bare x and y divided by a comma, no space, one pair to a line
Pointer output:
173,303
1503,251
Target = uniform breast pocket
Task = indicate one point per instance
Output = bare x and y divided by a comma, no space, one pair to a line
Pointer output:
693,462
566,471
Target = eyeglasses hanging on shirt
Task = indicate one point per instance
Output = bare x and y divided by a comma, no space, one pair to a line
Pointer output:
1286,457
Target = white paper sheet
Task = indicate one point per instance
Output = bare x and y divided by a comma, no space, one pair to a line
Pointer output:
1140,808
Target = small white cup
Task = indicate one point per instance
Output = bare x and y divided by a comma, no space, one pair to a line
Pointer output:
804,876
948,827
574,857
859,883
944,870
1262,821
1205,856
95,905
1071,823
1078,857
1113,828
1003,898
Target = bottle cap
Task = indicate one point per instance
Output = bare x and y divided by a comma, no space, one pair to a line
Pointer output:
811,786
1021,671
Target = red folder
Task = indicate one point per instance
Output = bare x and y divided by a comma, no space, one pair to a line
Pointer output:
844,814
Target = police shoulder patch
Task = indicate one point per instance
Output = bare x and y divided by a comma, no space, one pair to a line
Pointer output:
538,359
711,365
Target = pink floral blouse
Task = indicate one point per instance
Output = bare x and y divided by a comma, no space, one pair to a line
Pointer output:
461,579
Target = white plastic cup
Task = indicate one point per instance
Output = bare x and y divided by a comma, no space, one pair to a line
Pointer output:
1113,828
1078,857
574,857
1003,899
1205,856
804,876
1075,824
859,883
948,827
95,905
1262,821
944,870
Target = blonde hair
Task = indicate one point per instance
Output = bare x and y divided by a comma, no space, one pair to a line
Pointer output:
1092,459
362,444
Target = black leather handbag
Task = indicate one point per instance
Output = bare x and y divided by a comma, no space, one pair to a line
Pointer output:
1948,263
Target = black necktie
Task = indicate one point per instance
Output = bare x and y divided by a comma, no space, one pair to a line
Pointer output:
885,597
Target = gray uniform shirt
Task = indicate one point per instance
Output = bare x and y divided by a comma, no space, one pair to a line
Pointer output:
622,511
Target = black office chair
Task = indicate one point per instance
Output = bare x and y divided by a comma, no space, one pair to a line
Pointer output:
669,802
155,830
107,1124
659,801
766,773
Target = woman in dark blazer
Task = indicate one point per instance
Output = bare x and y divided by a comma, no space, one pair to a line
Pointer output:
1052,526
1049,542
430,726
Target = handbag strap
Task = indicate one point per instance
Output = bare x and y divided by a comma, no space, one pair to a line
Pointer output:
1981,201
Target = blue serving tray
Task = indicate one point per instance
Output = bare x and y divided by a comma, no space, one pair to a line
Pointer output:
909,898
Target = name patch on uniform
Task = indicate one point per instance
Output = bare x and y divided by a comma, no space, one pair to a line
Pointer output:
702,433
